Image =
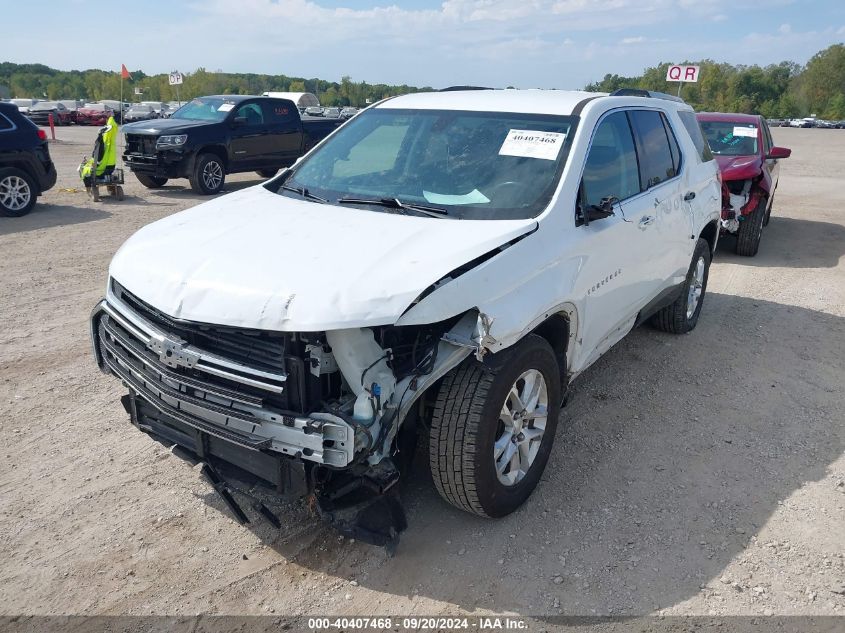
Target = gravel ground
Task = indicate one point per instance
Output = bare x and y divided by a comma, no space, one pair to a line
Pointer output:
701,474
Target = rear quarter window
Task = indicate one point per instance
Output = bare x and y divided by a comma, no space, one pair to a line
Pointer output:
5,124
279,111
693,128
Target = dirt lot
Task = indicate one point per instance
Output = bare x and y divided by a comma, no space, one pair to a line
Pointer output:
701,474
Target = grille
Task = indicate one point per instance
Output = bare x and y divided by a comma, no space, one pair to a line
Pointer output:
263,350
141,144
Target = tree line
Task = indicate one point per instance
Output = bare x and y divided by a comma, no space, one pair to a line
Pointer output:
784,90
42,82
775,91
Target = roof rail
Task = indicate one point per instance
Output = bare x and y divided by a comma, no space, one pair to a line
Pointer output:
461,88
639,92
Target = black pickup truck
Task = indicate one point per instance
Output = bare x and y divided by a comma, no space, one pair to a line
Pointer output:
210,137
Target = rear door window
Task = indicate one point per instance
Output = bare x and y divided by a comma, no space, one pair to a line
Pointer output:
611,169
276,111
653,149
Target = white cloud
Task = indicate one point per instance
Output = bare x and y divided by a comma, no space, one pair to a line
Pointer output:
785,29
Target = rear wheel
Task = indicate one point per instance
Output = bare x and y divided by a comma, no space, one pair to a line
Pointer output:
209,174
493,427
17,192
151,182
681,316
750,231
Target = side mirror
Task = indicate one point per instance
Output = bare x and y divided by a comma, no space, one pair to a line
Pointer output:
239,121
779,152
604,209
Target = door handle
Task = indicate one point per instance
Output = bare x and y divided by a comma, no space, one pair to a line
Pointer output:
646,221
690,196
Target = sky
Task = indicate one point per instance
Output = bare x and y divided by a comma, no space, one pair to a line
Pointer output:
523,43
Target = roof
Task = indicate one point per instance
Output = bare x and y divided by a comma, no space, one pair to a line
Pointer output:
561,102
730,117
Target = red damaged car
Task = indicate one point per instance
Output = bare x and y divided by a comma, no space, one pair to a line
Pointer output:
749,163
93,114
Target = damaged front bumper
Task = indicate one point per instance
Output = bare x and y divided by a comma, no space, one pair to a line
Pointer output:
323,419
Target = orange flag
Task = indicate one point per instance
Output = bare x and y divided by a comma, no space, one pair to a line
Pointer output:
124,73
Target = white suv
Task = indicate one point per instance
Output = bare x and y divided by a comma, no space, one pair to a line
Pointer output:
453,258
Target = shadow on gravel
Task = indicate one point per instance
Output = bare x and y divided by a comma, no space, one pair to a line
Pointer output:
181,190
647,495
45,216
791,243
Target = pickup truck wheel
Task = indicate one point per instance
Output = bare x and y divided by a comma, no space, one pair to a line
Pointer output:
151,182
681,316
750,231
17,192
209,175
267,173
493,427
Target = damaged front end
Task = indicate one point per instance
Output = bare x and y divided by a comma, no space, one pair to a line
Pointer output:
739,200
329,414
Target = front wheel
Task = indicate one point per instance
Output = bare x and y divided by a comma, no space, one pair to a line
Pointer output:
493,427
681,316
17,192
751,230
208,175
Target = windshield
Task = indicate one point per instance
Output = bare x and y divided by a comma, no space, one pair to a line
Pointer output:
727,138
205,109
477,165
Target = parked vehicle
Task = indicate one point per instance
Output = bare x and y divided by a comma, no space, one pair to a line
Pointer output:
214,136
41,111
118,108
72,106
331,113
446,262
801,122
26,169
348,113
24,104
750,164
140,112
314,111
157,106
93,114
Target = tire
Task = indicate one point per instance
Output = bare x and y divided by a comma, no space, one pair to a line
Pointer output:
267,173
681,316
750,231
209,174
151,182
468,423
17,192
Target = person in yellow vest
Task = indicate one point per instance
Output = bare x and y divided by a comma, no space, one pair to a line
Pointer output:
104,154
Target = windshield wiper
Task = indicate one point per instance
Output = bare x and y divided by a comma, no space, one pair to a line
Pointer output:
302,191
395,203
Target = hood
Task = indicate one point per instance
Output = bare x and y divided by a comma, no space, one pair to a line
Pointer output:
739,167
164,126
258,260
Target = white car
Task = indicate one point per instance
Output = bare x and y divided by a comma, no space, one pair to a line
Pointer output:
454,259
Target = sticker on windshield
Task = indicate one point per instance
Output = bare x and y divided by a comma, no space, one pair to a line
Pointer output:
532,144
226,107
750,132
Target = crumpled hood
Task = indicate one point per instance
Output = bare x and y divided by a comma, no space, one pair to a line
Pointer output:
259,260
739,167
